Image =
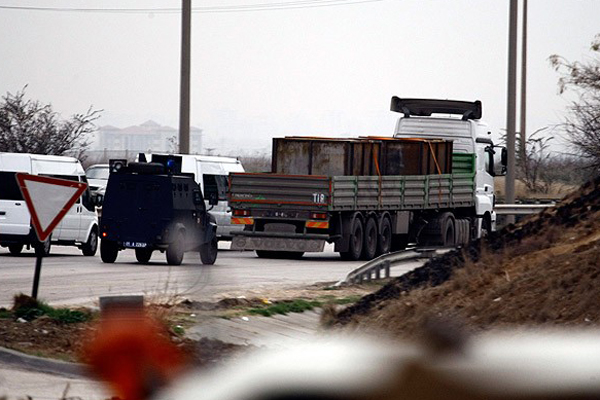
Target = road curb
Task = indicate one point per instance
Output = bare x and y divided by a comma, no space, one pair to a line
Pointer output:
44,365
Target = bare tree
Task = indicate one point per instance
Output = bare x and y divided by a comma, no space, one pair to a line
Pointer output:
28,126
582,125
533,162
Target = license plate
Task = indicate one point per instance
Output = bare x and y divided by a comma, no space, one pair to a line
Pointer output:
134,245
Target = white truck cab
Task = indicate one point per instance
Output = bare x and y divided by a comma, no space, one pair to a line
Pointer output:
213,172
469,135
78,228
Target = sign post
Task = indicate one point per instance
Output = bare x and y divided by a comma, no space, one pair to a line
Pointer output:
48,201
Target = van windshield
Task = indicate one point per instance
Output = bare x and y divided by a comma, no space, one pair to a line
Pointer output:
9,188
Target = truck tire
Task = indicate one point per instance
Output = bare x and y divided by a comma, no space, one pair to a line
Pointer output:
90,247
384,241
448,230
462,231
176,249
108,251
440,231
43,248
143,255
15,249
208,252
355,242
370,240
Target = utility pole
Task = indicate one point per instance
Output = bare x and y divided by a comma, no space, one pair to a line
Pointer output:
523,123
184,91
511,106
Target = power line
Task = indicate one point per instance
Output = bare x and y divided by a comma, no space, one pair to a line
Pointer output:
299,4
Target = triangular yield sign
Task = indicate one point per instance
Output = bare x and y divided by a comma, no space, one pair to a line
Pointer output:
48,200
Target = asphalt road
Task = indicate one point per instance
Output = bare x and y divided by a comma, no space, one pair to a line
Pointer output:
69,278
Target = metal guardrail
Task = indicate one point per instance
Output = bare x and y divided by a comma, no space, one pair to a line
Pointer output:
373,269
521,209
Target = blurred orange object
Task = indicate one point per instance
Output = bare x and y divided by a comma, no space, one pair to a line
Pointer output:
133,354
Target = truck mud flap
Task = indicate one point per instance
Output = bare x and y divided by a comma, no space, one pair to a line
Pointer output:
242,242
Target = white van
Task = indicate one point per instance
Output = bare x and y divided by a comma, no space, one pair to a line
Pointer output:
78,228
211,171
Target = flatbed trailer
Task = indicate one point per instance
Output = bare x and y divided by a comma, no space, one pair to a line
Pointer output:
292,214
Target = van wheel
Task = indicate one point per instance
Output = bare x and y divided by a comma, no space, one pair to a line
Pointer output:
42,248
143,255
370,240
356,242
108,251
90,247
15,249
175,250
208,252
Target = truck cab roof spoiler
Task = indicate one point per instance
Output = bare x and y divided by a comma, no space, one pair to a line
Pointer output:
426,107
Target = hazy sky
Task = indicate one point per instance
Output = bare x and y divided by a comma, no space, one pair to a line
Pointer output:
327,71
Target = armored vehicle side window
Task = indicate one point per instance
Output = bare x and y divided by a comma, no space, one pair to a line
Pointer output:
216,183
9,188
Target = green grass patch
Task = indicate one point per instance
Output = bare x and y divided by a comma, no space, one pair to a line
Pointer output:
30,309
5,314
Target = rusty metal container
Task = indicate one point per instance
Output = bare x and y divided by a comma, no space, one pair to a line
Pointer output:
360,156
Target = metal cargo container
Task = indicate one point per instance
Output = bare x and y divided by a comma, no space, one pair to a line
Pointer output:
364,156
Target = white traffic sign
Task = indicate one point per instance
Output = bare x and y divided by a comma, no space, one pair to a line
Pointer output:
48,200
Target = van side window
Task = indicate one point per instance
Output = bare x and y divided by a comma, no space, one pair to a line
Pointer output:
218,182
74,178
9,188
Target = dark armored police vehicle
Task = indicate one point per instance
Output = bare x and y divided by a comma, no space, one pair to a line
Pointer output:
152,206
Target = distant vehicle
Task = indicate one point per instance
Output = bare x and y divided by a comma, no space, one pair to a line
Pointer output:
211,172
431,184
147,207
97,176
78,228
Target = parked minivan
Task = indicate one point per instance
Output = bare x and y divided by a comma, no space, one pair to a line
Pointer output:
79,227
210,171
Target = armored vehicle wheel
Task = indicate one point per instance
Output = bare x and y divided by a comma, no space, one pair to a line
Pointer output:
384,242
15,249
356,242
108,251
175,250
208,252
370,240
143,255
43,248
90,247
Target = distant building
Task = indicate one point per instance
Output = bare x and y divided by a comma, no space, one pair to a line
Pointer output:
146,137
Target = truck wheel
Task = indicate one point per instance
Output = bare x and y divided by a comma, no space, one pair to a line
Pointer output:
90,247
208,252
370,240
15,249
108,251
175,250
448,230
43,248
384,242
355,243
143,255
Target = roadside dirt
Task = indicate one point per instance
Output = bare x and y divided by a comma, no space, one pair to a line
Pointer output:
542,272
45,337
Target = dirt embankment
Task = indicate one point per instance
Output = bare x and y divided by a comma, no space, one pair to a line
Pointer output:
543,271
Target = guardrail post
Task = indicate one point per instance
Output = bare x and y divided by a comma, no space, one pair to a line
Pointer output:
386,265
378,273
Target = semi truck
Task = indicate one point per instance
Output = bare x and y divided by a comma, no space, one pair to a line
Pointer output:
432,184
